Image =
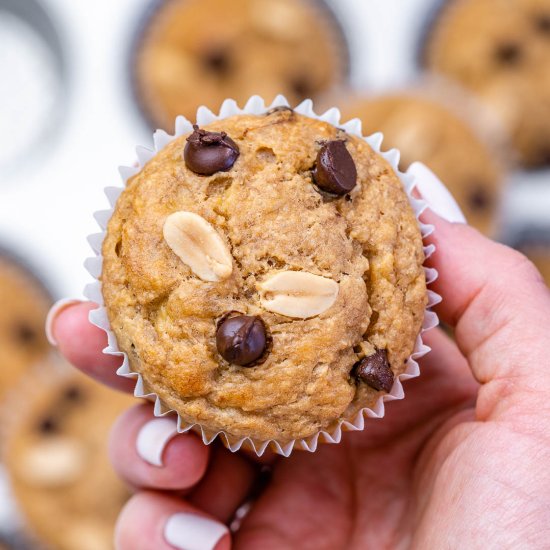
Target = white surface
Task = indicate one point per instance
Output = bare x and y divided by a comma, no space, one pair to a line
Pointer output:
47,209
28,96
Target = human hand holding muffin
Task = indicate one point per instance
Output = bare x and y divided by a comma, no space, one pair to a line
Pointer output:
469,428
446,420
263,275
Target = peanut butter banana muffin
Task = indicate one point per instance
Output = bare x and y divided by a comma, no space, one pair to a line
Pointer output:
427,130
25,304
500,50
56,457
264,275
198,52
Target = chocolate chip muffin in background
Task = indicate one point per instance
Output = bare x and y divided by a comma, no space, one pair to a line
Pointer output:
55,428
25,304
199,52
500,50
264,275
442,135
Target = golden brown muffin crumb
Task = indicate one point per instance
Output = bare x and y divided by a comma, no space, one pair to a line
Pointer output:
273,220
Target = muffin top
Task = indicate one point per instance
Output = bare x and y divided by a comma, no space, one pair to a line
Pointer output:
264,275
199,52
56,457
500,49
25,304
426,130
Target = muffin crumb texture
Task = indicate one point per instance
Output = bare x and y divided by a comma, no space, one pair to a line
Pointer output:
247,298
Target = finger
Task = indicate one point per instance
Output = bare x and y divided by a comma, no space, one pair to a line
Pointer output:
445,371
81,343
227,484
149,453
499,305
152,520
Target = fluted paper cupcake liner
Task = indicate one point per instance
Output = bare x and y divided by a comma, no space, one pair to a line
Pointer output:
98,317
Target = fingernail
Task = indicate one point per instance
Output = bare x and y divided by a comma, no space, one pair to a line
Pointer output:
153,438
55,310
193,532
435,193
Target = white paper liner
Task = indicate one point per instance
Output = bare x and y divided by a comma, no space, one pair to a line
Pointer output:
256,106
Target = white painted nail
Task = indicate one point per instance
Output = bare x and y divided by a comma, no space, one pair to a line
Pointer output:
435,193
55,310
192,532
153,438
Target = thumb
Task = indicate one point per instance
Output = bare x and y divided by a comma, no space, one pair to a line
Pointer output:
497,302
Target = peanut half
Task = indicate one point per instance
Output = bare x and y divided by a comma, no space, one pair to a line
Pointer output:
297,294
198,245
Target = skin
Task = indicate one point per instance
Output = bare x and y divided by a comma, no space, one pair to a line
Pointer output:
462,462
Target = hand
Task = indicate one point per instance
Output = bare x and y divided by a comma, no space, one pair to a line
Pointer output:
462,462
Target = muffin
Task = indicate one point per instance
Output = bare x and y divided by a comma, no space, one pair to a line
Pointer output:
55,453
427,130
264,276
25,304
198,52
500,50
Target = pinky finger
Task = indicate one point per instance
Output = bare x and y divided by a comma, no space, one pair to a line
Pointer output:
153,520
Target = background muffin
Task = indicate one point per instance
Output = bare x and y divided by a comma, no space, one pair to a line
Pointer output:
264,275
500,49
55,451
25,304
199,52
426,129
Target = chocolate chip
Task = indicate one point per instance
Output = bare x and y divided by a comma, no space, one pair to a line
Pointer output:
209,152
479,199
508,54
217,61
242,339
48,426
301,87
542,23
542,157
73,393
25,333
375,371
335,170
280,108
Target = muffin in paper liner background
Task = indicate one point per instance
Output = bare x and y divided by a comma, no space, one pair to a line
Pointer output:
55,428
198,52
271,308
25,303
500,51
444,127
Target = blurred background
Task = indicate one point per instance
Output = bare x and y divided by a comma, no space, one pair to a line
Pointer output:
462,85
